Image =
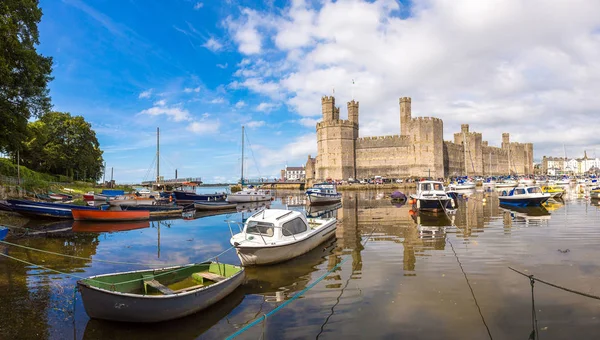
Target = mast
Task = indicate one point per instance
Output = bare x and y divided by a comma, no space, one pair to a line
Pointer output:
242,179
157,156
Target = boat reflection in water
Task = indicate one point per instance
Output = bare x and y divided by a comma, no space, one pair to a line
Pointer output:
281,281
432,225
98,227
529,215
323,211
189,327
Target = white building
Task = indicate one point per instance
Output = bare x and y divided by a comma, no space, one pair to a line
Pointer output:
294,173
555,166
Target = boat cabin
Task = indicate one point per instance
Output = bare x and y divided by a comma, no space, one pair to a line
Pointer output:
522,191
323,188
426,186
272,225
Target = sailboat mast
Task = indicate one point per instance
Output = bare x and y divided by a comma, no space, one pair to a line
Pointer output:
157,155
465,154
242,179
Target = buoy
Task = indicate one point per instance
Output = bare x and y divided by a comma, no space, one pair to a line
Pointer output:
483,200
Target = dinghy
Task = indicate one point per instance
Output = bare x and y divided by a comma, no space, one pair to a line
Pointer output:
276,235
45,209
219,205
158,294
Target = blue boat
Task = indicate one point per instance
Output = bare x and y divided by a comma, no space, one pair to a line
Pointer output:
523,196
190,196
3,233
45,209
113,192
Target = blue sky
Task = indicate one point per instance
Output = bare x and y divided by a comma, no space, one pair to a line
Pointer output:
200,70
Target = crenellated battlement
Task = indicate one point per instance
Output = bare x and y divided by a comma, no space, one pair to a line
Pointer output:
381,142
327,99
428,119
339,122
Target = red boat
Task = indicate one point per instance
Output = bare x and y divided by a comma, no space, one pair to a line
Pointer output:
110,215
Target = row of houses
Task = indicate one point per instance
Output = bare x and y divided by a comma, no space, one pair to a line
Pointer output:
555,166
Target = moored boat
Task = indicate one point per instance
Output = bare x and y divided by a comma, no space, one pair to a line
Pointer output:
110,215
219,205
155,210
276,235
431,196
553,190
3,232
323,193
158,294
130,200
250,195
190,196
462,185
523,196
45,209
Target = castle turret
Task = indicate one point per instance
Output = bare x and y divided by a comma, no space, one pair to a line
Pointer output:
405,115
353,115
328,108
505,140
464,128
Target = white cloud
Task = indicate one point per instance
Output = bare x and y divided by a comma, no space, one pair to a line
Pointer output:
213,44
175,113
295,152
255,124
145,94
222,66
198,5
161,102
499,65
265,107
204,127
190,90
240,104
308,122
218,100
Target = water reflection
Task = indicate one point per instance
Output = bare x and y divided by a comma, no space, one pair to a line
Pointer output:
405,282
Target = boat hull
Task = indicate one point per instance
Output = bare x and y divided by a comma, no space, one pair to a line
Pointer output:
432,205
523,202
156,210
315,199
110,216
131,202
209,206
252,256
45,209
244,198
115,306
190,196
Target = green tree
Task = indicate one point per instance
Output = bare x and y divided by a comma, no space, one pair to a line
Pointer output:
61,144
24,74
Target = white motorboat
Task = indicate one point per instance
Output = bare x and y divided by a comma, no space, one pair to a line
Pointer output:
277,235
323,193
431,196
523,196
506,184
250,195
463,185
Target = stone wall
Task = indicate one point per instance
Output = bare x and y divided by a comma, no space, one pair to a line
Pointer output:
453,159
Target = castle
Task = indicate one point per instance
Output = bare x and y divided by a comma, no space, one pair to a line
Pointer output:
419,150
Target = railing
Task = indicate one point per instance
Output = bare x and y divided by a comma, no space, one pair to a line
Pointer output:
175,180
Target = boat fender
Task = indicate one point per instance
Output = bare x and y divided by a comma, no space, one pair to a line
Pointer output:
418,204
452,203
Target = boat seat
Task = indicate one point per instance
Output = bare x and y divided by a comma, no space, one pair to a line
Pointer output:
158,286
208,276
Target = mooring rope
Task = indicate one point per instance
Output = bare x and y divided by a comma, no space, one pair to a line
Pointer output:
297,295
87,258
531,277
470,288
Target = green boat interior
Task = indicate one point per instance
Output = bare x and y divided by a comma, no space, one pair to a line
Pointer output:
165,281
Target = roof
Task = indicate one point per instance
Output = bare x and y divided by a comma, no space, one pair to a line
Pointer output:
276,216
289,168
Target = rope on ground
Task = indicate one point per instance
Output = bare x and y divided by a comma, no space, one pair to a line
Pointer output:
531,277
87,258
471,288
297,295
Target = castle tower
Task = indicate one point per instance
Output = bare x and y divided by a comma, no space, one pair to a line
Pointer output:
405,115
505,140
353,115
328,108
464,128
336,142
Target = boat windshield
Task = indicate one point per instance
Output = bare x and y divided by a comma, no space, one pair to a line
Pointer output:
519,191
260,228
534,190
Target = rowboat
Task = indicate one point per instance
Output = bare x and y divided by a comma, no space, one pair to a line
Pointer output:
130,200
323,193
276,235
99,227
190,196
219,205
110,215
525,196
431,196
159,294
45,209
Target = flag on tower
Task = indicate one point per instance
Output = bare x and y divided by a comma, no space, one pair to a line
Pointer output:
352,81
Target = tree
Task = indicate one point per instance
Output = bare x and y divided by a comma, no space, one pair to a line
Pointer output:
63,145
24,74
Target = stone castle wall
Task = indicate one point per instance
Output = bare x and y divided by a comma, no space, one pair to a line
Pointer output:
419,150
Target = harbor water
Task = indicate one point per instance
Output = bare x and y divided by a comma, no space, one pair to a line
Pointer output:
403,275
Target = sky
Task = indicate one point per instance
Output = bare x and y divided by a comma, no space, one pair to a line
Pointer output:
199,70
